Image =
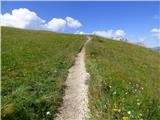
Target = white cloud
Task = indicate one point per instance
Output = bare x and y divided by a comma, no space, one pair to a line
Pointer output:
80,32
24,18
155,30
117,34
156,33
141,40
56,24
106,34
72,23
120,33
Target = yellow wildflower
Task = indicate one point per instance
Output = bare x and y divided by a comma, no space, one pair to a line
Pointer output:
125,118
116,110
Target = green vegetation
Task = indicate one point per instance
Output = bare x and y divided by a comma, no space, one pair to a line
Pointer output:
125,82
34,68
124,85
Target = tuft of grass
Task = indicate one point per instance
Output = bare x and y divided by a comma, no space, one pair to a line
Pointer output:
34,68
125,81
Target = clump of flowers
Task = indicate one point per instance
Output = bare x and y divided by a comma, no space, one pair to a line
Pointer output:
125,118
116,109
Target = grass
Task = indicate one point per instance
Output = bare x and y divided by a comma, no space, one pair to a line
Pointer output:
34,68
124,85
125,81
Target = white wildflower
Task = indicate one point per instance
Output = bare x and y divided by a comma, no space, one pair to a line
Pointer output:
138,103
129,112
48,113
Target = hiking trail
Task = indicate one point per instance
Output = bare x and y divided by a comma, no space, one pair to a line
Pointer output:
75,100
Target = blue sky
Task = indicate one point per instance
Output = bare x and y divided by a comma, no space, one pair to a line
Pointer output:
136,19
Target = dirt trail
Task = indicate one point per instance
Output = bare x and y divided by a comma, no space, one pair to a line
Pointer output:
75,101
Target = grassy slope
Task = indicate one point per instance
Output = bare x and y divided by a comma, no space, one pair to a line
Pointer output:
34,67
125,81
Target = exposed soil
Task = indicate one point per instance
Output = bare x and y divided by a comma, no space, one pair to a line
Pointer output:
75,100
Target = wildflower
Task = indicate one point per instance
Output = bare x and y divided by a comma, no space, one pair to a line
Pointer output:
110,86
126,93
138,103
129,112
48,113
142,88
125,118
55,71
116,110
140,114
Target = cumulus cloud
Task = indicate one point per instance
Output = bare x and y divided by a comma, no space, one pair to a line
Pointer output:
155,30
106,34
56,24
24,18
156,33
117,34
120,34
73,23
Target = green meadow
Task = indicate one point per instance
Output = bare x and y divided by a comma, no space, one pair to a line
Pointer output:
125,81
34,67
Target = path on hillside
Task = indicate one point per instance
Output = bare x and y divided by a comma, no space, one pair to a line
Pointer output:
75,101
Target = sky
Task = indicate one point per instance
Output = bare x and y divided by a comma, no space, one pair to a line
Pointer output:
136,21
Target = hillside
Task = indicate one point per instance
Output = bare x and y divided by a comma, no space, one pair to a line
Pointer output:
124,78
34,68
125,81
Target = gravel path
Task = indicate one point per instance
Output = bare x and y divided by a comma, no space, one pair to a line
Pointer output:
75,101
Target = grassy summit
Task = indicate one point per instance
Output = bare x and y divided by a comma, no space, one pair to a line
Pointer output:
34,68
125,81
